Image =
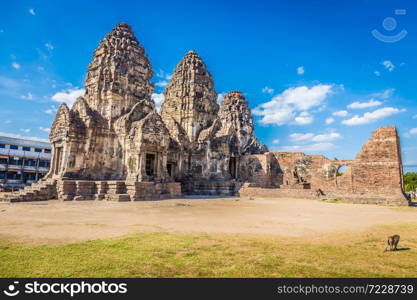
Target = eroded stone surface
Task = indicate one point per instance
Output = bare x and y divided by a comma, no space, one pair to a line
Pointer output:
190,97
119,74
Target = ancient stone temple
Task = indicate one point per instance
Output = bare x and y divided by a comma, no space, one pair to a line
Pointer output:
112,144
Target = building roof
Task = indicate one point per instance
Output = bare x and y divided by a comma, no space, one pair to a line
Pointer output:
24,142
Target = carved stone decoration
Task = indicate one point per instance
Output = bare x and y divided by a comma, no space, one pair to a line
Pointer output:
119,74
235,116
190,98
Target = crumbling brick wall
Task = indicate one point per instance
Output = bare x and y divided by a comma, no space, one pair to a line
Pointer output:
260,170
374,176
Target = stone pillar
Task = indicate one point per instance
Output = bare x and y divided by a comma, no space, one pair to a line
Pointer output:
142,164
164,158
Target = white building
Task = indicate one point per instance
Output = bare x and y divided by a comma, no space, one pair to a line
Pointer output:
22,162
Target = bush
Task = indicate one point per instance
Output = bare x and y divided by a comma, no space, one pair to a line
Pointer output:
410,181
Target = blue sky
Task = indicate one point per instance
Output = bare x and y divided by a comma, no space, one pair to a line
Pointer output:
317,79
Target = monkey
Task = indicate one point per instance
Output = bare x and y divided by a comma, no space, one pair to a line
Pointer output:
392,242
319,193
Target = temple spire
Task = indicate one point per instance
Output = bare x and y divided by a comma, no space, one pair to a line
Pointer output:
190,97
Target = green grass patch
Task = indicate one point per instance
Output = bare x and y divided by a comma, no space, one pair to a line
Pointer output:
181,255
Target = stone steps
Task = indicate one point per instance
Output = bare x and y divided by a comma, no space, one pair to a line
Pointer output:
211,188
40,191
80,190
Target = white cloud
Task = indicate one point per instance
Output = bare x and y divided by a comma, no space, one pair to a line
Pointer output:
413,131
388,65
9,83
25,130
303,118
370,117
292,105
304,137
28,96
327,137
340,113
162,83
68,96
359,105
267,90
385,94
220,97
317,147
159,99
162,74
329,120
18,136
52,110
377,73
300,137
47,130
300,70
16,66
49,46
32,11
276,141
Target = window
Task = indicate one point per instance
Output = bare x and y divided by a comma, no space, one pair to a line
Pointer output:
341,171
2,175
3,160
30,163
26,148
16,162
44,163
14,147
2,146
14,176
47,150
150,164
38,150
29,176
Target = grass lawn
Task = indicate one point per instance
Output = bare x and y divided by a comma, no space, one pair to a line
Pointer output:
181,255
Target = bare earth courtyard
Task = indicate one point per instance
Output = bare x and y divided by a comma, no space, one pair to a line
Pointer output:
56,222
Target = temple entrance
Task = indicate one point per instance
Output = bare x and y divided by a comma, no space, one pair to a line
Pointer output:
171,168
232,167
58,158
150,164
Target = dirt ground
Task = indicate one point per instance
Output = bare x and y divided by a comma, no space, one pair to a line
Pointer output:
55,222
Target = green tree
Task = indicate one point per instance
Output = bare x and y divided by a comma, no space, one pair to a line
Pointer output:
410,181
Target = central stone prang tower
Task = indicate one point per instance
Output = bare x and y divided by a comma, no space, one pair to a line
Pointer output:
190,98
208,139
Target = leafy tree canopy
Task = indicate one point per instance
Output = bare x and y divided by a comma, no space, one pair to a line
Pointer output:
410,181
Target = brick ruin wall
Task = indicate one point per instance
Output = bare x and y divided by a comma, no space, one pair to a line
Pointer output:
374,176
